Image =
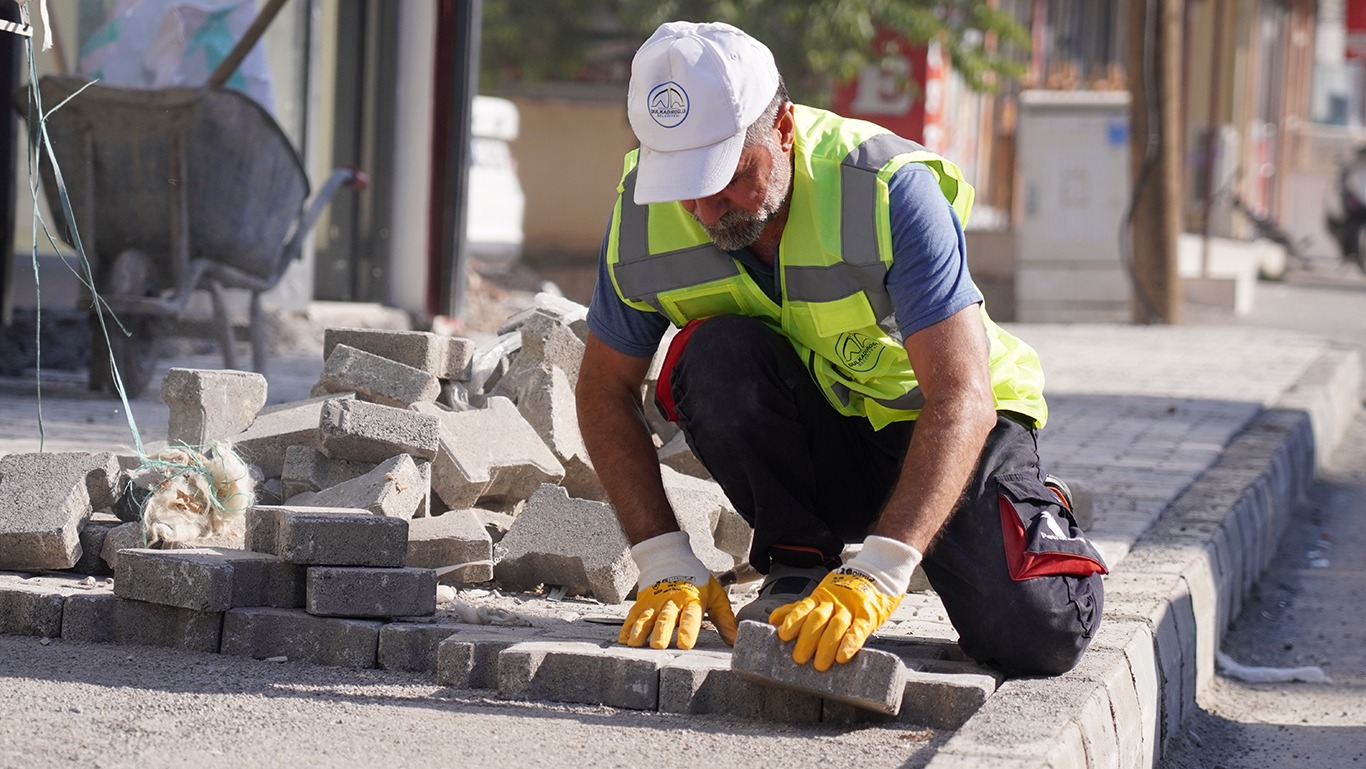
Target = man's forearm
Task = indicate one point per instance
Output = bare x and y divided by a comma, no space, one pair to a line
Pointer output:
627,464
940,460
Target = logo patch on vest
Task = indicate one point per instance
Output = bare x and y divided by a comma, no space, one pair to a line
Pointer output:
858,352
668,104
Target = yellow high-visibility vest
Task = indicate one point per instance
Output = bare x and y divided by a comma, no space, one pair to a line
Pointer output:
833,259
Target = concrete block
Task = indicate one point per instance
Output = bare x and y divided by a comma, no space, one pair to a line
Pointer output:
469,659
377,379
370,432
208,578
702,682
210,405
92,544
308,469
676,454
348,591
616,676
106,618
873,679
277,428
45,499
411,645
572,542
941,700
489,453
120,538
565,311
454,538
398,487
30,609
301,637
89,617
443,357
550,408
327,536
699,504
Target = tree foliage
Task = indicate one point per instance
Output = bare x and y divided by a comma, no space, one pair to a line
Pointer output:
816,42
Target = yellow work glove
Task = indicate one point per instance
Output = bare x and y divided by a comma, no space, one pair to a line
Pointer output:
675,591
833,622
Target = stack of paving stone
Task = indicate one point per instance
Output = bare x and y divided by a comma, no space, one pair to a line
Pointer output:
477,449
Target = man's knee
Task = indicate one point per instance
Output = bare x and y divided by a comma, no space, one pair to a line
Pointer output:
727,366
1044,635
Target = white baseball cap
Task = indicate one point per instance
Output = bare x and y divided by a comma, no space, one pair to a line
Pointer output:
694,90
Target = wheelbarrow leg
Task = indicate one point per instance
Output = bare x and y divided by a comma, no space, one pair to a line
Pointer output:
225,336
258,335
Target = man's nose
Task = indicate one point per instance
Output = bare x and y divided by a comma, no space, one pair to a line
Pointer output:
708,210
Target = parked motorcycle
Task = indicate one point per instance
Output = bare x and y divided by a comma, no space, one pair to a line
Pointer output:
1345,209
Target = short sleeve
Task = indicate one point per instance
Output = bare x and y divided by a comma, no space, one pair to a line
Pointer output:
928,280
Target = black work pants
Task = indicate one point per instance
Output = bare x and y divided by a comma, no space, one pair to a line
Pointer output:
809,480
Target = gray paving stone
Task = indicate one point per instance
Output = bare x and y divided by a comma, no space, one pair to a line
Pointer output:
377,379
349,591
549,406
370,432
873,679
30,610
572,542
210,405
703,683
92,538
410,645
293,633
208,578
678,455
469,659
441,356
617,676
120,538
106,618
308,469
489,453
277,428
454,538
699,506
45,499
398,487
327,536
938,699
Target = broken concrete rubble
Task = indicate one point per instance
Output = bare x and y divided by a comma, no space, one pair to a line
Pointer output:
455,544
443,357
571,542
308,469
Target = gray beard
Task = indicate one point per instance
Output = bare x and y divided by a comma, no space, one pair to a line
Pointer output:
737,229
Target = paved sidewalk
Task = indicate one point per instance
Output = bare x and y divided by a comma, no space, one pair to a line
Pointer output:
1155,422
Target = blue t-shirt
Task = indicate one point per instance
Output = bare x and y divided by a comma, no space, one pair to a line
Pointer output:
928,280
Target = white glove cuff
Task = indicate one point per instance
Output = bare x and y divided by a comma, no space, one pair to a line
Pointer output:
668,556
888,562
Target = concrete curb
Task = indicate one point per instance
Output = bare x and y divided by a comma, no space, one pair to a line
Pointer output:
1169,601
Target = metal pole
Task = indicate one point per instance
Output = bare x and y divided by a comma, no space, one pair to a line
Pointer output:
464,17
10,63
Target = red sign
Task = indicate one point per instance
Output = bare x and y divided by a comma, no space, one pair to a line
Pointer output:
1356,29
879,94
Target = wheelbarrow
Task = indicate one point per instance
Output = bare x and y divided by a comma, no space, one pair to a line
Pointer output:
173,191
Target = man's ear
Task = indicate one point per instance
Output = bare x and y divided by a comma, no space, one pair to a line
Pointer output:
787,126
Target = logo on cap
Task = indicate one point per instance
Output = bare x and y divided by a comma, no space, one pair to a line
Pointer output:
668,104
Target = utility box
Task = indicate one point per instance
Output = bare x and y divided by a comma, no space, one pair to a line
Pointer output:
1072,150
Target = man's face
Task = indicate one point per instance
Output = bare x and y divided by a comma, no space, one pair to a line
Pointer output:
736,216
